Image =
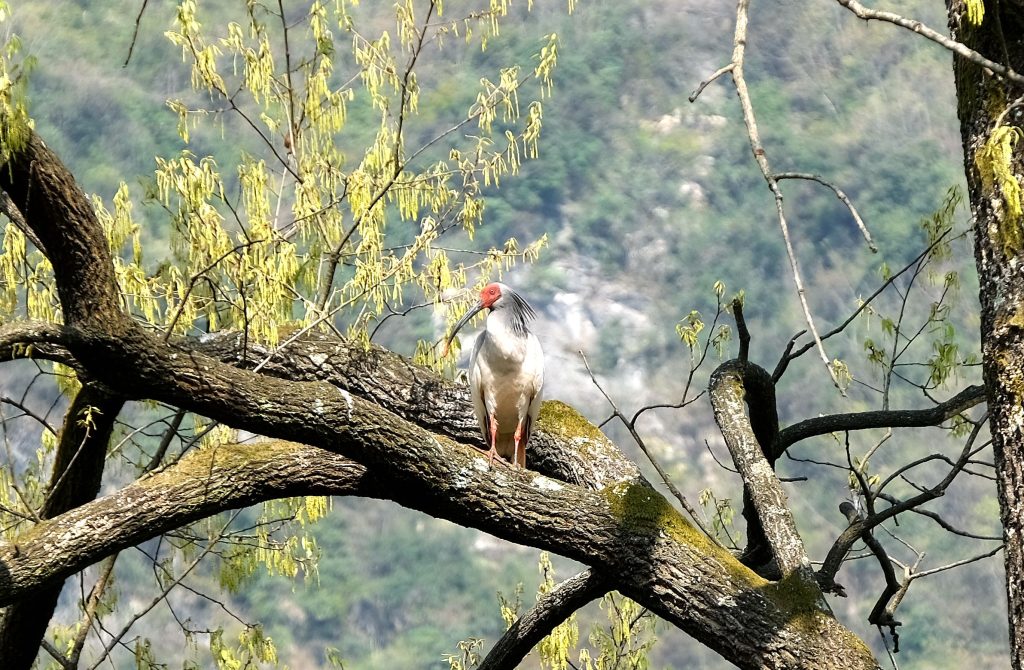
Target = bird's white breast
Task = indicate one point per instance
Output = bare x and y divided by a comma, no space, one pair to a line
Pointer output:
507,370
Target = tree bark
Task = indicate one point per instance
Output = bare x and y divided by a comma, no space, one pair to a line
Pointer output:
985,101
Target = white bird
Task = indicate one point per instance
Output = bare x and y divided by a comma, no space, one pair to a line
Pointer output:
506,372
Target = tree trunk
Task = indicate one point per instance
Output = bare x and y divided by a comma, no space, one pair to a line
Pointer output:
985,103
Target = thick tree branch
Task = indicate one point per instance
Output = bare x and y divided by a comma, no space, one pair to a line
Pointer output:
418,395
630,531
34,339
374,373
64,222
728,391
551,610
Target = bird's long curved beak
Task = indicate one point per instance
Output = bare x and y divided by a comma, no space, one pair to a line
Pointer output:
458,326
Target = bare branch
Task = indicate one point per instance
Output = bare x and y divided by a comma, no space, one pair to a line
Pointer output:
955,564
845,199
945,525
837,553
913,25
135,33
704,84
90,606
551,609
879,616
761,158
27,411
631,427
11,211
784,361
906,418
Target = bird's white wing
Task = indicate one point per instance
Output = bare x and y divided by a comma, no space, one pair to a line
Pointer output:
535,361
476,387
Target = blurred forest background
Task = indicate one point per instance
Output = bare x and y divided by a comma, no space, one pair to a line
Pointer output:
647,200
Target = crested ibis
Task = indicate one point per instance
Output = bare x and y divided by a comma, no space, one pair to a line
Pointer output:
506,372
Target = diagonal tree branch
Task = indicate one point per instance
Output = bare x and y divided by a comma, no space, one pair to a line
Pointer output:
8,209
959,48
552,609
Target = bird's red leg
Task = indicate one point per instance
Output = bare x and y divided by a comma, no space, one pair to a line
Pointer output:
493,451
521,462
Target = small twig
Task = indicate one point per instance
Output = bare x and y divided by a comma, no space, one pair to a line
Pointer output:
11,211
694,366
392,312
165,440
845,199
29,413
643,447
135,33
717,460
945,525
91,603
704,84
885,643
956,564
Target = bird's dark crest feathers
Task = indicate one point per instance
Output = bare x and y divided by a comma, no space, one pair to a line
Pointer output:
520,311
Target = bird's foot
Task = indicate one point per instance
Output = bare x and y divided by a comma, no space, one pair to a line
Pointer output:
493,454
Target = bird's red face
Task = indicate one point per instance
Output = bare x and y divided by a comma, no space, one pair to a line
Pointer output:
489,294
